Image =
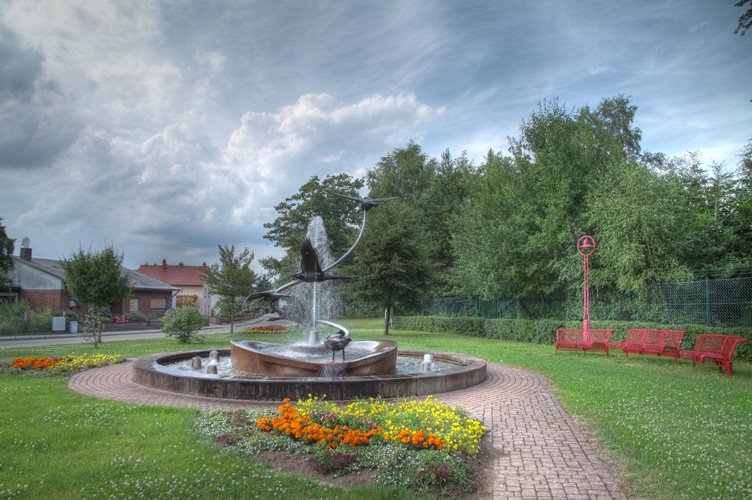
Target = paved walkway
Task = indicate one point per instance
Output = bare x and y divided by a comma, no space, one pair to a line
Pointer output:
538,450
13,341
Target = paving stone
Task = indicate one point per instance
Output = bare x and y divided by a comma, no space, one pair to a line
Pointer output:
545,455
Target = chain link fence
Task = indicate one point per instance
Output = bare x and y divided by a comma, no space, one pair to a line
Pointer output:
710,302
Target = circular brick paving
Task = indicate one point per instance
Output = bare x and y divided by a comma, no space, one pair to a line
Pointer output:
538,450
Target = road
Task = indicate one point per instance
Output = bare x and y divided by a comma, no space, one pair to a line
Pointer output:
10,342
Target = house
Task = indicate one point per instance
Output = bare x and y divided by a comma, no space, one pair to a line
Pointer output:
40,282
189,279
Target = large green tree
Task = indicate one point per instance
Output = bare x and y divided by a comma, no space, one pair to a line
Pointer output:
638,231
6,255
436,190
96,278
438,205
390,261
405,172
232,278
516,233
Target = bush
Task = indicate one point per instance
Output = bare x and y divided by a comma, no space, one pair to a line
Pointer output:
135,316
183,323
13,310
543,331
18,318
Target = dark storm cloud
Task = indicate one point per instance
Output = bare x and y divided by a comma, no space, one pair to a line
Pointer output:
36,122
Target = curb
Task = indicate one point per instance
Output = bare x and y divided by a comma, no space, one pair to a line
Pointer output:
206,329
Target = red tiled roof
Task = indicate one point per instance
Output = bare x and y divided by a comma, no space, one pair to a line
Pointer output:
175,275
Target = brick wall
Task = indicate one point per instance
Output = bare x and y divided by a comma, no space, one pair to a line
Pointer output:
57,300
144,302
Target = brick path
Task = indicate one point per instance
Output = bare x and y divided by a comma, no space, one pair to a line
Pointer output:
538,450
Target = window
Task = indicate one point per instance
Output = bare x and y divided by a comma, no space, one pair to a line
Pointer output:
158,303
133,306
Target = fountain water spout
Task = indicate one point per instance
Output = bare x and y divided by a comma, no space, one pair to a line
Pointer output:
337,341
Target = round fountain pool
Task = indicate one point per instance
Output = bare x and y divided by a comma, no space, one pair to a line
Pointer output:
172,372
369,357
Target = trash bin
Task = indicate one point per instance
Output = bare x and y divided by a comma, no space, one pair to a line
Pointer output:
73,326
58,323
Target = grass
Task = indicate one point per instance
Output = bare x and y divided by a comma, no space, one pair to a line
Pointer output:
667,429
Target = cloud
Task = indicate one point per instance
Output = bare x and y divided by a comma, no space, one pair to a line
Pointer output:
36,121
275,153
177,192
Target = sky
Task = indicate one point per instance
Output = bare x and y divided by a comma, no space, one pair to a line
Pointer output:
165,128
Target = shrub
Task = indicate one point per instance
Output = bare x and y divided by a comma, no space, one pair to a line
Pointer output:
543,331
184,323
13,310
69,315
135,316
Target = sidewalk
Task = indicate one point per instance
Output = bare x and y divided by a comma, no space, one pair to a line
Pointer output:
12,341
537,449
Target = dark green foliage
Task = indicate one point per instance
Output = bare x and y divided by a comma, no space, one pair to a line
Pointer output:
543,331
405,172
745,20
183,323
135,316
96,279
390,260
234,279
19,318
573,172
313,198
6,253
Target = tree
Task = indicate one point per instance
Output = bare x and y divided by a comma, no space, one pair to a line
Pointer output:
6,255
515,233
439,204
234,279
390,261
313,198
183,322
96,279
745,20
637,229
405,172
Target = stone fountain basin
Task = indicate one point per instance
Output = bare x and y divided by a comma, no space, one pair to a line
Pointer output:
364,357
467,372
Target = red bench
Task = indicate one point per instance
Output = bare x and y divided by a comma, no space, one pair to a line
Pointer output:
572,338
646,341
714,348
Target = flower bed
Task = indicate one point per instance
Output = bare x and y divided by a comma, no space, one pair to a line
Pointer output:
419,445
266,329
65,363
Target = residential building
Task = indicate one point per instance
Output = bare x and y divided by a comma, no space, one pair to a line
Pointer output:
188,279
41,283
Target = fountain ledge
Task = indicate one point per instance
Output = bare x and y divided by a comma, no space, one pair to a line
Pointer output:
469,371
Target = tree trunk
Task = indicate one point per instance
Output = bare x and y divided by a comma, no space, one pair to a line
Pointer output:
387,317
232,315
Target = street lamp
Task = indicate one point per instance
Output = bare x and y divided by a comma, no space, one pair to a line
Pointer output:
586,247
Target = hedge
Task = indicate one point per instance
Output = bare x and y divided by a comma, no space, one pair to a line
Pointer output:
543,331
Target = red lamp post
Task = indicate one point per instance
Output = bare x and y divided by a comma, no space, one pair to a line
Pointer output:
586,247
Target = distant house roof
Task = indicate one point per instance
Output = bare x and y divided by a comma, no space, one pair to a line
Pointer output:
136,280
176,275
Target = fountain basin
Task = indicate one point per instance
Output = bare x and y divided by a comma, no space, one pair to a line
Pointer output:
466,371
279,360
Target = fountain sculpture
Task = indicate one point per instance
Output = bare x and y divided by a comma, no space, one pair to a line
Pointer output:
271,371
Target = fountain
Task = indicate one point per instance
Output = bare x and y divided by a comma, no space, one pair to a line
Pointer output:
271,371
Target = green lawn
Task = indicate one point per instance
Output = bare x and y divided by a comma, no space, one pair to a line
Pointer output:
668,430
